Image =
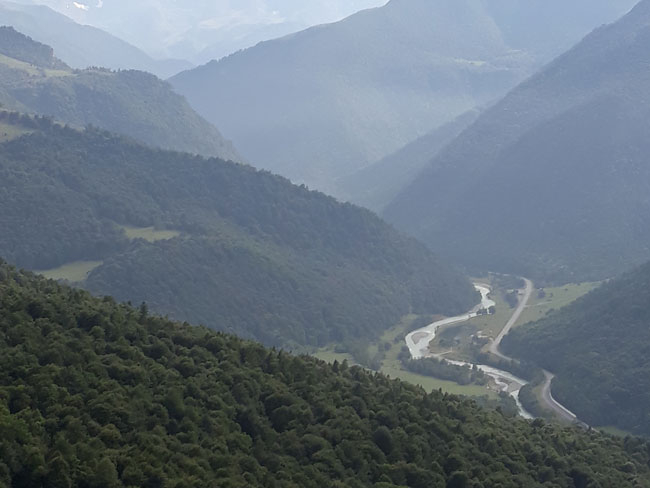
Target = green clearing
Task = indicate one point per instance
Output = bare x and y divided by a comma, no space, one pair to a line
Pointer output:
491,325
31,69
463,341
149,234
553,299
391,365
73,272
394,370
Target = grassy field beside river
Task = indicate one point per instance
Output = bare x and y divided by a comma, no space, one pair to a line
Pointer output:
553,299
461,341
391,365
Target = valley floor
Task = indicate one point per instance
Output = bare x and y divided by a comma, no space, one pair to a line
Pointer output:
461,339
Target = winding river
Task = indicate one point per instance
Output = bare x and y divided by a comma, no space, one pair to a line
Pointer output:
418,344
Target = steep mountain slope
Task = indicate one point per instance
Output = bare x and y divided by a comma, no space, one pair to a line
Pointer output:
98,394
598,347
560,164
321,104
251,254
375,186
22,48
132,103
82,46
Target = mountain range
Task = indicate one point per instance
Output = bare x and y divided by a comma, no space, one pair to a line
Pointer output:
82,46
320,105
133,218
552,181
200,29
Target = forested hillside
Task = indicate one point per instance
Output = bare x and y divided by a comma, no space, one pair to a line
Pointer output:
598,347
560,163
251,253
132,103
98,394
22,48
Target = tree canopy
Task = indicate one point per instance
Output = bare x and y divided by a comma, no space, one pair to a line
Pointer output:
256,255
97,394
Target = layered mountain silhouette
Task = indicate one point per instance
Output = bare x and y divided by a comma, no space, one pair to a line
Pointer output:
82,46
199,29
320,105
375,186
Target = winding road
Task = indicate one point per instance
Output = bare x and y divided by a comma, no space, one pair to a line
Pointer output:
418,344
547,395
557,407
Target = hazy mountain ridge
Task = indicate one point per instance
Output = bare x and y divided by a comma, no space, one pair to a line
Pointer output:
99,394
320,104
547,28
375,186
195,30
598,348
82,46
255,255
132,103
559,163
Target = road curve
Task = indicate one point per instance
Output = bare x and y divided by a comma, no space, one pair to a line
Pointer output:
547,395
557,407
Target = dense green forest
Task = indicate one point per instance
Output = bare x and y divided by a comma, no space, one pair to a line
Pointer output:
598,346
132,103
97,394
560,163
256,255
441,369
17,46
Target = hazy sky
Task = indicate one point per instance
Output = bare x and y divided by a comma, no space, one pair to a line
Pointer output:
173,27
